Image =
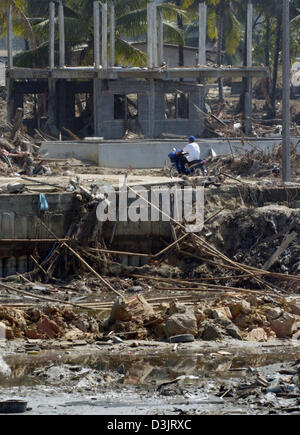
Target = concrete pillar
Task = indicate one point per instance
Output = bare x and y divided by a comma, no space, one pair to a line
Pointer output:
202,34
150,34
248,94
286,146
151,125
61,27
97,106
112,34
52,35
9,37
155,47
160,38
97,34
10,99
61,104
52,121
104,36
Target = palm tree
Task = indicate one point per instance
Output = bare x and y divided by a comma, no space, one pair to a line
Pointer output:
21,22
224,26
131,24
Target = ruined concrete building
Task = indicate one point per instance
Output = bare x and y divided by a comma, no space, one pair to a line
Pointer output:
108,86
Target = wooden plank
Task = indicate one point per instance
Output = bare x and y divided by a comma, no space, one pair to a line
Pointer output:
284,245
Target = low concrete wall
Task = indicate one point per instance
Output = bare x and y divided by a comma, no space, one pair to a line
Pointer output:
81,150
147,154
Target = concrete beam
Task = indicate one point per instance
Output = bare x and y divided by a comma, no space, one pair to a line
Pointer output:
167,74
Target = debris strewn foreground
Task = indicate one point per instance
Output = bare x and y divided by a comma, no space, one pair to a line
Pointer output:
251,318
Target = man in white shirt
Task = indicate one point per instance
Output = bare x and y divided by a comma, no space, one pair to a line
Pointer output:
192,151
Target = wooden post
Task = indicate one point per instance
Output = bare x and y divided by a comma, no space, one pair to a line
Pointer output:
9,37
202,34
112,34
61,26
97,34
52,35
104,36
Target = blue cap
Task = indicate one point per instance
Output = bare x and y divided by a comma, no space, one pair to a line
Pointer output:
192,138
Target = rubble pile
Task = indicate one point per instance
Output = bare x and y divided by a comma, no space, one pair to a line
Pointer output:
19,152
48,322
253,163
254,318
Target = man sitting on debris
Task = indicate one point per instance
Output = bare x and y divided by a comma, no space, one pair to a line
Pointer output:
190,153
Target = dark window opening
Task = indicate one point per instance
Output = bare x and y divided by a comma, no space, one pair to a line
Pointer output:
125,106
177,106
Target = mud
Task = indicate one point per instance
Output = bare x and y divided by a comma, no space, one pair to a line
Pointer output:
153,377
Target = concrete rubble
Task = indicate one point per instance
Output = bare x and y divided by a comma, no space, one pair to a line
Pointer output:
254,319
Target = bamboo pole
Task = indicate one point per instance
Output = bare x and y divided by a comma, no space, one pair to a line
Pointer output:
107,284
44,298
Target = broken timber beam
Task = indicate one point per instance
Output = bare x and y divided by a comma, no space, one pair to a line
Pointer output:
284,245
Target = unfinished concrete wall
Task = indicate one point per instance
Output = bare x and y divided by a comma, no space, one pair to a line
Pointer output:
18,224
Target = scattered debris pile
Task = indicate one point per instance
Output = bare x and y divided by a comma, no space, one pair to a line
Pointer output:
253,163
19,152
47,322
272,391
254,318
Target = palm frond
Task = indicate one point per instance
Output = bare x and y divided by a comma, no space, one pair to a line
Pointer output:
128,55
